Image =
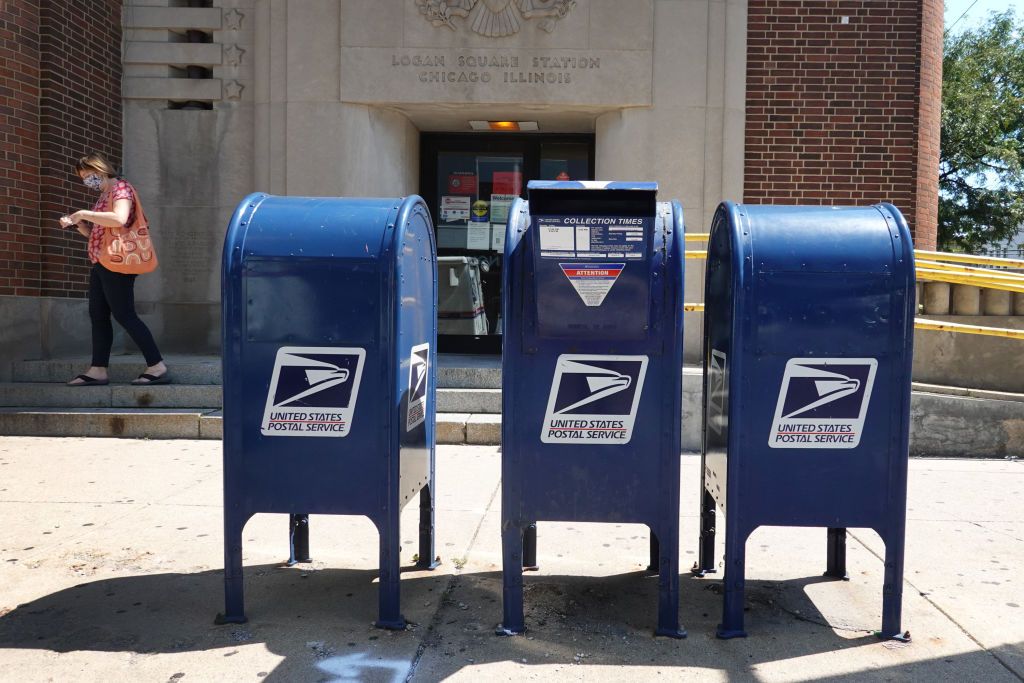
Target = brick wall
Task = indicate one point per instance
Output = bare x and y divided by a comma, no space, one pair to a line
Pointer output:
842,105
80,112
60,97
19,148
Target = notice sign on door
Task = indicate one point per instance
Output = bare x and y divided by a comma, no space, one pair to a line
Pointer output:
592,281
462,182
593,399
822,403
313,391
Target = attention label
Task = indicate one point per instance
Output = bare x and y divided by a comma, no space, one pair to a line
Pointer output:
592,281
419,367
822,403
593,399
313,391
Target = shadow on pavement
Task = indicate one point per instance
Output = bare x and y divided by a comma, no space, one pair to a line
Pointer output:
320,623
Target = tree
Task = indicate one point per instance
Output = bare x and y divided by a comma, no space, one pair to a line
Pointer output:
981,163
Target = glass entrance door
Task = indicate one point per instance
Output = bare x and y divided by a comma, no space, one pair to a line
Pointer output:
469,183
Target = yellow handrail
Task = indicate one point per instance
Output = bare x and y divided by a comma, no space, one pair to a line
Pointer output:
927,324
992,282
968,258
697,236
696,253
921,255
940,326
959,268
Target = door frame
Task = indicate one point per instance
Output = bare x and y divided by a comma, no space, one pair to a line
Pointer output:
529,146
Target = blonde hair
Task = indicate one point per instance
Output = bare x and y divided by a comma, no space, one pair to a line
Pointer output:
95,162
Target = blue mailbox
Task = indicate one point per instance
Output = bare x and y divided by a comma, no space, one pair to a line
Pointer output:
808,342
592,373
329,342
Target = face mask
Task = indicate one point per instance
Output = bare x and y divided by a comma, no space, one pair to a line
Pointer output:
93,182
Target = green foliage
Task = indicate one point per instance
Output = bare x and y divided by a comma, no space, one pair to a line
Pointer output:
981,168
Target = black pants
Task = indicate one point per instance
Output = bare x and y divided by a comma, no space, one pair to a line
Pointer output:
114,294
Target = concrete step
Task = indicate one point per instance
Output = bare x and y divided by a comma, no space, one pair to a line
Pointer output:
136,423
469,401
467,428
123,369
461,371
165,423
53,395
454,370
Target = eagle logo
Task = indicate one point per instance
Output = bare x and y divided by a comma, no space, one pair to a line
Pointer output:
495,18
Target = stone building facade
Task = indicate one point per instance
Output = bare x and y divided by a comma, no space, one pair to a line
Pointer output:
790,101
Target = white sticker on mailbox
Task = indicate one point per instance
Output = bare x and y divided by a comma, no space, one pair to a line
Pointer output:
594,399
822,403
313,391
419,367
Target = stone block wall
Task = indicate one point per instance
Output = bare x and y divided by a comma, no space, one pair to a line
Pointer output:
843,105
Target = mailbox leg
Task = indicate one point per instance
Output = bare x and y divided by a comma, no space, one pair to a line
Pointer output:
530,548
652,566
668,581
234,604
298,539
389,589
706,552
734,582
892,589
428,560
512,580
836,563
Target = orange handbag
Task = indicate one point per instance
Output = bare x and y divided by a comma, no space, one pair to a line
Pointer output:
129,250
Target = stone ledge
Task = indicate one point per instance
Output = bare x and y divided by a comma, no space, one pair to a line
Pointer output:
199,18
200,89
204,54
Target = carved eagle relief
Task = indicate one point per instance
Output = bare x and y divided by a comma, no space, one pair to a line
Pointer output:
495,18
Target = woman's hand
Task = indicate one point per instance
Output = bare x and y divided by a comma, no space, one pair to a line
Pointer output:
67,221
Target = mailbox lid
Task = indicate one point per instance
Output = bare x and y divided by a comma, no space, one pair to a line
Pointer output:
822,239
319,227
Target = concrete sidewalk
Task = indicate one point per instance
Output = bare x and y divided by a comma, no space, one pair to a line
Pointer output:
111,557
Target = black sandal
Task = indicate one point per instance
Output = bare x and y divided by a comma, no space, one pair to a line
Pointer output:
87,381
146,379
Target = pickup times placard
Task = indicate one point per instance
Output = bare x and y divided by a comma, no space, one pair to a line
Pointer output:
822,403
593,237
593,399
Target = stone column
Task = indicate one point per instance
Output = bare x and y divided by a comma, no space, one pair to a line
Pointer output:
996,302
936,298
966,300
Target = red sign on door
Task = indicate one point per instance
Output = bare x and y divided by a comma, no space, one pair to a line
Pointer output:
462,182
507,182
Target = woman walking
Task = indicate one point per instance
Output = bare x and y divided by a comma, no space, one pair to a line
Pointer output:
119,249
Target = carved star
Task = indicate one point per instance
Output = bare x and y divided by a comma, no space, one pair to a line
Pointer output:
233,90
233,19
233,55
